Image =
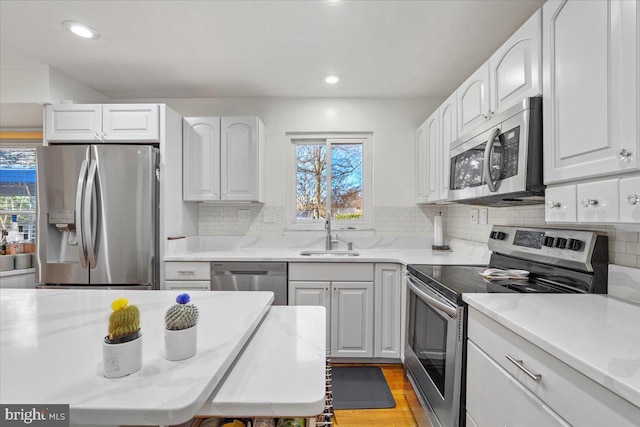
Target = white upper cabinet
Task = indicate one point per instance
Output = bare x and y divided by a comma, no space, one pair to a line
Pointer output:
630,200
590,87
242,158
515,67
473,100
433,157
102,123
223,159
421,163
448,115
201,158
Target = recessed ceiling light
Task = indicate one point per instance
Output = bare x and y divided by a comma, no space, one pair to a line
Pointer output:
80,29
332,79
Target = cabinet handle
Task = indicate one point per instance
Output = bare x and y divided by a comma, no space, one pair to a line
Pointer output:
624,154
633,199
97,135
589,203
553,205
223,196
518,363
186,272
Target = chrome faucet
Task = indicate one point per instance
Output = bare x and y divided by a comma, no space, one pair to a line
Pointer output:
329,240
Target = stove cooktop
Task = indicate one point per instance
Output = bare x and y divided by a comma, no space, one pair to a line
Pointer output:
454,280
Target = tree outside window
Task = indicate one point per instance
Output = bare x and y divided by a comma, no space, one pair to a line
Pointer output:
17,188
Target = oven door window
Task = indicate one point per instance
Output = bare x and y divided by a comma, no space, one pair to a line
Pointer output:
429,340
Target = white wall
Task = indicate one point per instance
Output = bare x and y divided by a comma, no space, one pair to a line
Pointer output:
392,121
28,84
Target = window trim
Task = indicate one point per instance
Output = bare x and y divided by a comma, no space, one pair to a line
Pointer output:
366,139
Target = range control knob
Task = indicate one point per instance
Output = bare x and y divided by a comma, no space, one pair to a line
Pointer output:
548,241
561,243
493,234
574,244
500,235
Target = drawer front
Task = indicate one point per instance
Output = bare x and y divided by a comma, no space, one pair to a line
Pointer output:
343,271
598,201
576,398
630,200
495,398
560,204
187,270
187,285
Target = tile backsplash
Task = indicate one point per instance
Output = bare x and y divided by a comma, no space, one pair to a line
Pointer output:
413,221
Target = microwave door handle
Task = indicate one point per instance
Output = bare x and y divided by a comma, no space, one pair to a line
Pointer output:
486,166
428,299
82,249
88,214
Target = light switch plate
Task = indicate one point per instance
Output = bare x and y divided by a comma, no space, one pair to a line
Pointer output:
268,215
473,216
244,215
484,216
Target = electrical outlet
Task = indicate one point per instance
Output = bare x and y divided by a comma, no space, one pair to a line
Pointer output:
473,216
244,215
268,215
484,216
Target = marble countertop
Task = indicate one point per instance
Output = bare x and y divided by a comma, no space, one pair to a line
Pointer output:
281,372
597,335
51,352
400,256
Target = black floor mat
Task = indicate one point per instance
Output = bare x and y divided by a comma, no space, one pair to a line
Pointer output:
360,387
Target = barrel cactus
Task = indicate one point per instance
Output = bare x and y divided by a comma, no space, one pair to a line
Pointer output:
181,315
124,321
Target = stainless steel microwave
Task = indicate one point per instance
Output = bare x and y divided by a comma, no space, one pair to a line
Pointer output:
500,162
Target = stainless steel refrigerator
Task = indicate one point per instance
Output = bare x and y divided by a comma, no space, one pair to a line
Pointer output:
97,214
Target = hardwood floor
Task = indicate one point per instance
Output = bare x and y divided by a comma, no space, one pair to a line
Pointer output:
400,416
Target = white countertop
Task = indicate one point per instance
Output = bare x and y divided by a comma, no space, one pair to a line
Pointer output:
281,372
51,352
400,256
595,334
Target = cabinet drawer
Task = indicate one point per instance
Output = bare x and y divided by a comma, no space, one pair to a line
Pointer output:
630,199
187,270
343,271
576,398
598,201
495,398
560,204
187,285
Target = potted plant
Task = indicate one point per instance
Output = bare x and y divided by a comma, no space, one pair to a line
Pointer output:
122,348
180,334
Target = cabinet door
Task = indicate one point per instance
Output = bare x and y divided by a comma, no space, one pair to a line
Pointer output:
239,158
201,158
560,204
495,398
312,293
590,82
515,67
352,319
421,163
448,133
388,292
473,100
74,122
131,122
630,200
434,160
598,201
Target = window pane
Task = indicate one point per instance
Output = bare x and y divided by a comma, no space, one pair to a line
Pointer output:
311,182
346,181
18,188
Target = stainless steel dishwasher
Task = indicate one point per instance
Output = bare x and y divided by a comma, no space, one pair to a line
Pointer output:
251,276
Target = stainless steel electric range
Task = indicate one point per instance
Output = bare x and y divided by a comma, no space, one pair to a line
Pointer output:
558,261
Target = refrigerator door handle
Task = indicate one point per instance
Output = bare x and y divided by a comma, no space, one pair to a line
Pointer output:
82,250
88,221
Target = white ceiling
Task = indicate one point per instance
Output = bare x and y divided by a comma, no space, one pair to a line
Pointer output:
160,49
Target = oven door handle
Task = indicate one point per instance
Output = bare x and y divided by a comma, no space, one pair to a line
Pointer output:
433,302
486,166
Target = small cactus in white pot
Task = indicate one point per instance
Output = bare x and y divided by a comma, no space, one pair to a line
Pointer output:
181,333
122,348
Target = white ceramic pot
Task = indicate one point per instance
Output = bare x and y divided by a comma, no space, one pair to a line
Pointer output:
7,262
23,261
122,359
181,344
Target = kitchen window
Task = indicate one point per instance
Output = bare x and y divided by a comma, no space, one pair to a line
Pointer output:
329,173
18,188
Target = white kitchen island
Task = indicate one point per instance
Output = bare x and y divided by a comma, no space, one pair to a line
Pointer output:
51,352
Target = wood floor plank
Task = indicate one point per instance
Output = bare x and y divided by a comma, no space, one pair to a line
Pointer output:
400,416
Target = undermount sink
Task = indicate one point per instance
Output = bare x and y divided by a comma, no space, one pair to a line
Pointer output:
330,253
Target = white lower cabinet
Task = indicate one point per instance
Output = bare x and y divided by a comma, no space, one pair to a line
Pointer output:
315,294
352,319
512,382
388,293
489,388
187,275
